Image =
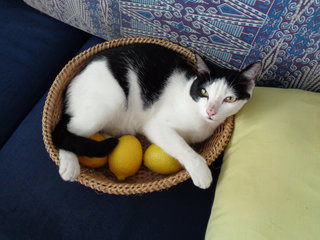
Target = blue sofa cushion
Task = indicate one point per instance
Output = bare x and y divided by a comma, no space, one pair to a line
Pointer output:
34,47
36,203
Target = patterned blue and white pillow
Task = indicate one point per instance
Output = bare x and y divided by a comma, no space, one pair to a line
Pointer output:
284,34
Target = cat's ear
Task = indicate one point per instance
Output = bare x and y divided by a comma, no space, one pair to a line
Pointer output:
202,67
250,74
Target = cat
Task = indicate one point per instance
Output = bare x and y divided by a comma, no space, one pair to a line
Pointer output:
151,90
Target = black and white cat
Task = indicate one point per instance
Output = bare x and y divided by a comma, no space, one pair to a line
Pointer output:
148,89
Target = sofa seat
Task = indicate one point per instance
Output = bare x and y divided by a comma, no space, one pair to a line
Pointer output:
35,203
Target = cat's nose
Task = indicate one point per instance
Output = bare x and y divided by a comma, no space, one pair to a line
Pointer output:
211,112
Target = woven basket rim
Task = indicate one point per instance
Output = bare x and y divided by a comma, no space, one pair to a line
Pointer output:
88,177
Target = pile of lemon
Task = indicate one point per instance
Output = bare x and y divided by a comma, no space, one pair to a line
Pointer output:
127,157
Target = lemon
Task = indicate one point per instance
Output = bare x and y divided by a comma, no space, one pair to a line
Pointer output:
125,160
94,162
160,162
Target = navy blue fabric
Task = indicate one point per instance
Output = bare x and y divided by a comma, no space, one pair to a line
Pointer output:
90,43
33,48
36,204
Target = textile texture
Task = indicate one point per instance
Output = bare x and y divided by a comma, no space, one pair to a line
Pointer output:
284,34
25,71
269,183
35,203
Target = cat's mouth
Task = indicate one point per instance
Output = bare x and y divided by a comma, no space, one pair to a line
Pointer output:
210,118
214,118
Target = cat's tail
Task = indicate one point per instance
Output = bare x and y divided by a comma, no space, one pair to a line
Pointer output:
81,146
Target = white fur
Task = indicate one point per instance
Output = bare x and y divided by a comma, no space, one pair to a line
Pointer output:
97,102
69,168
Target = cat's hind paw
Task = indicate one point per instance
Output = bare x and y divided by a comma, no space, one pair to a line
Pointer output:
69,168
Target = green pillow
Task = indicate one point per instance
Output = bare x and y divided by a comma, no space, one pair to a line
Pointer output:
269,185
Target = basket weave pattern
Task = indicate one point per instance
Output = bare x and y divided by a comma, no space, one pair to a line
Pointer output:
145,180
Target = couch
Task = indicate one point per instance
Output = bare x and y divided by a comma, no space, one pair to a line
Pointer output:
35,203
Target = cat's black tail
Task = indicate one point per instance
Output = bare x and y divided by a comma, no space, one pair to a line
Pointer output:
81,146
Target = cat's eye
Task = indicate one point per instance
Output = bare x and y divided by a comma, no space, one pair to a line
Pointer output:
204,92
230,99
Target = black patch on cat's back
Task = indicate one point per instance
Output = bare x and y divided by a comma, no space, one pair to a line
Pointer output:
119,68
152,63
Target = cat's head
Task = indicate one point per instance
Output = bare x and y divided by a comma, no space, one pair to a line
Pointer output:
220,92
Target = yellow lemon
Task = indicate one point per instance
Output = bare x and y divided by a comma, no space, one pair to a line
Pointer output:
160,162
125,160
94,162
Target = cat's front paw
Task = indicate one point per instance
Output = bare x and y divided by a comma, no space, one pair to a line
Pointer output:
69,168
200,173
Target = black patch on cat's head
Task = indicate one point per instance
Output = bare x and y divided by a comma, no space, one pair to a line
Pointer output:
244,81
241,82
200,82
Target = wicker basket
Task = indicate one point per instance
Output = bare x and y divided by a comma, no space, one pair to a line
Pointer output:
145,180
